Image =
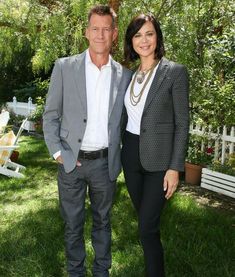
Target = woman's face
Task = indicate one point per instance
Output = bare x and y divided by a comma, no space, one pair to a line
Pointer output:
145,41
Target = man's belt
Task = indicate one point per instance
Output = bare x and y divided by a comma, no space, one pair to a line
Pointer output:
92,155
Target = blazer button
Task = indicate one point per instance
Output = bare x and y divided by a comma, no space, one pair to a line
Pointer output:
84,120
79,140
143,130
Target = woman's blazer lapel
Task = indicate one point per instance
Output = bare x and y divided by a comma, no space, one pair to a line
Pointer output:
157,81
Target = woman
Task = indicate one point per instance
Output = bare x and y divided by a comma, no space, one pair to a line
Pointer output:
155,138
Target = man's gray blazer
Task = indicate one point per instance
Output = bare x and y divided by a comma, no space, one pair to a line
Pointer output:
65,115
165,121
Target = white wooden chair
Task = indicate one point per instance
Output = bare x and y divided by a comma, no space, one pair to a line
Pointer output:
4,118
7,167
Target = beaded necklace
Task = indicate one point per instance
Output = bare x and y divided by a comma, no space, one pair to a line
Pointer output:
135,99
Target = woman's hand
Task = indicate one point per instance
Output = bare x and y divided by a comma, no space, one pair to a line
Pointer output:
171,181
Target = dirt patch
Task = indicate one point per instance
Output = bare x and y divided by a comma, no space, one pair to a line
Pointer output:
208,198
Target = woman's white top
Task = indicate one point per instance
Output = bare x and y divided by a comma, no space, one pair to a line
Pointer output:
135,112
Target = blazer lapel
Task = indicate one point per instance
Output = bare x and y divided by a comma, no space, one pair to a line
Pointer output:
115,80
80,79
157,81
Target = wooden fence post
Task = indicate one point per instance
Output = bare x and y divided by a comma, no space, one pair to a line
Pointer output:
231,146
223,145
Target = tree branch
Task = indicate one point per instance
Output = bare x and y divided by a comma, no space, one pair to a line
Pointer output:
161,8
115,4
21,29
169,8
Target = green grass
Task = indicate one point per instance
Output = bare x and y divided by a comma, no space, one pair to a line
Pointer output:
198,241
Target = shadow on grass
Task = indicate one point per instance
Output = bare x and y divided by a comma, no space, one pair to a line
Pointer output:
33,152
35,176
126,249
33,246
198,241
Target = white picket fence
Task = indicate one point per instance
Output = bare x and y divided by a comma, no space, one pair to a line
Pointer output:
22,108
222,142
218,182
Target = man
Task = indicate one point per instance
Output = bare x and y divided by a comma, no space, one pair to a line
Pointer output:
82,132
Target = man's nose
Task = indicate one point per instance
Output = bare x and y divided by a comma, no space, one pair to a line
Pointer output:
100,33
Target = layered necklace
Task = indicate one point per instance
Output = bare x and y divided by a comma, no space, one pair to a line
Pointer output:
139,77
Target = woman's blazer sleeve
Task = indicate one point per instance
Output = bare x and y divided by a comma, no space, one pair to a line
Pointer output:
180,96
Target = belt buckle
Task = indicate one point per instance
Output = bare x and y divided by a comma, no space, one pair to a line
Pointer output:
92,155
87,155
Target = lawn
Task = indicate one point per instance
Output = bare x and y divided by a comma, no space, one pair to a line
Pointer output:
198,240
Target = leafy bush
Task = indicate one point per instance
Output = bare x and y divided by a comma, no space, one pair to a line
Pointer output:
227,168
217,106
197,156
33,89
36,116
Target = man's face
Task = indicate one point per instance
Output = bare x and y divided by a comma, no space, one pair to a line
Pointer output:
100,34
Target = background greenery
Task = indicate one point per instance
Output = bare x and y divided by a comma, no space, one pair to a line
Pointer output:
198,33
198,240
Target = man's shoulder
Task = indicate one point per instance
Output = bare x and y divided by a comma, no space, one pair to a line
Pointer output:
125,71
71,59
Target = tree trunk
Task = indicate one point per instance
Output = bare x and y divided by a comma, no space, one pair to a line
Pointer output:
114,4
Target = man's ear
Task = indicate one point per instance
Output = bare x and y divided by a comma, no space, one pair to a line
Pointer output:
87,33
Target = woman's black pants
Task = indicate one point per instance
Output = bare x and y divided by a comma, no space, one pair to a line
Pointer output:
147,194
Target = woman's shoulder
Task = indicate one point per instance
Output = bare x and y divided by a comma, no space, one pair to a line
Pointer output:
174,67
172,63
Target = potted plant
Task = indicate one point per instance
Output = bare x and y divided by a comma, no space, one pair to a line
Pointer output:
14,156
36,116
196,159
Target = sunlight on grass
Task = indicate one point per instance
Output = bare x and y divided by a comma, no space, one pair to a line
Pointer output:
128,262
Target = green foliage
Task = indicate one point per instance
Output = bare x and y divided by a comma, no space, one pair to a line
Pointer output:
15,120
199,34
36,116
227,168
34,89
197,156
218,108
16,72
